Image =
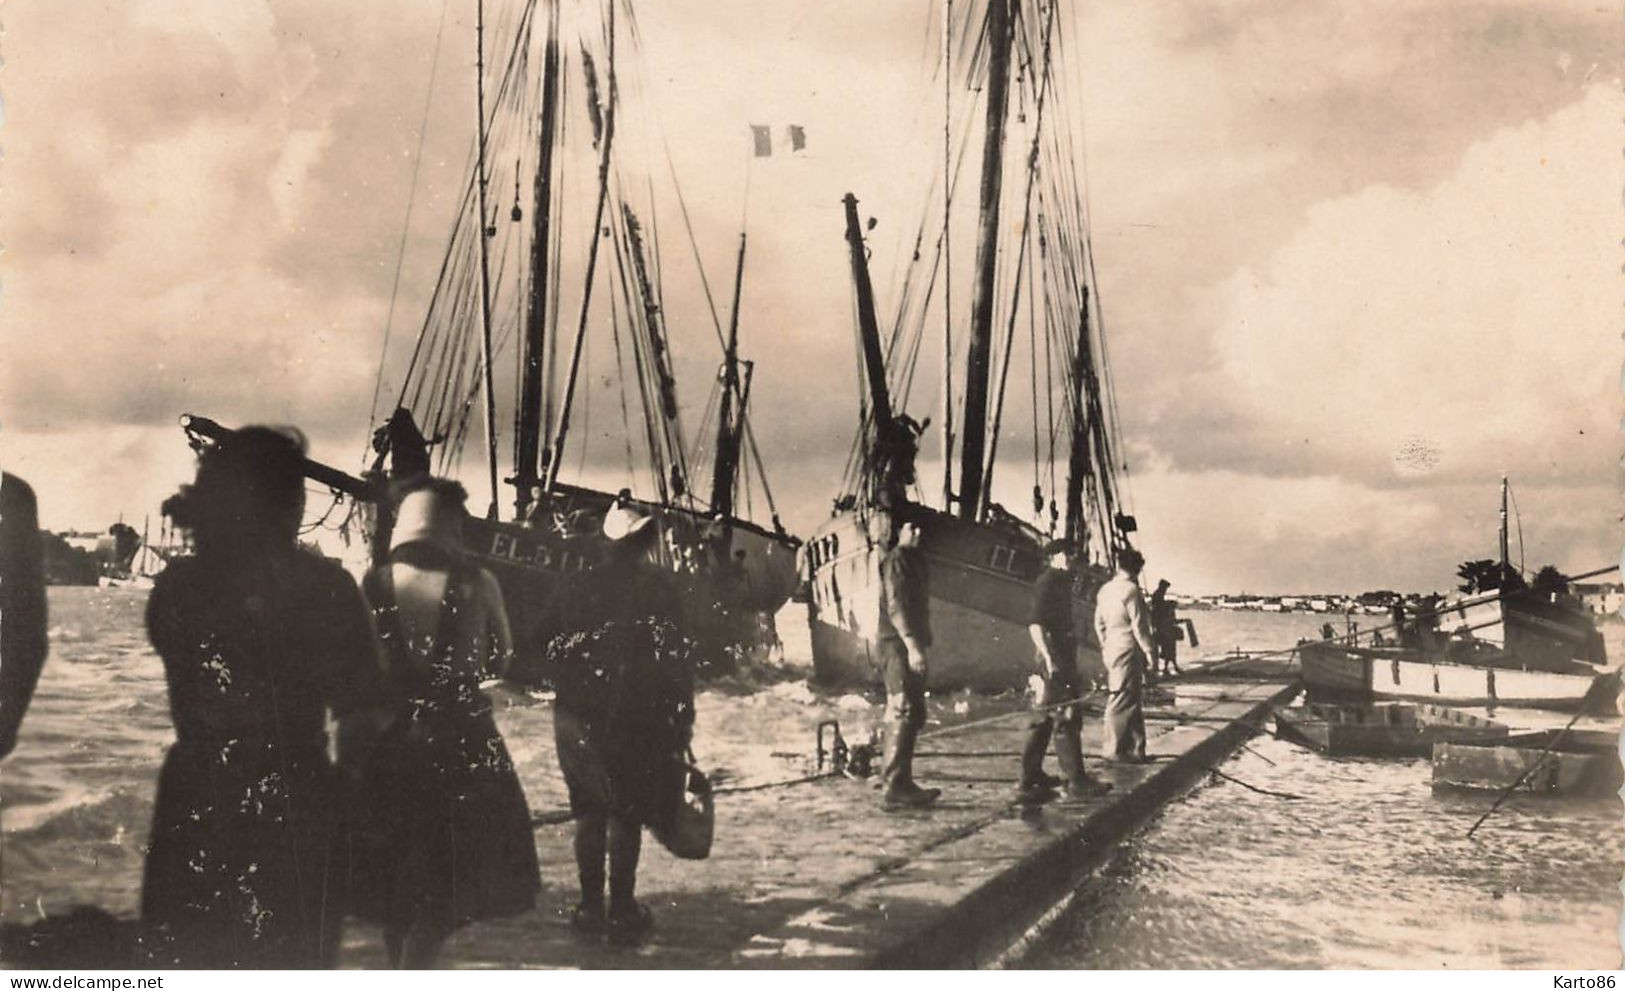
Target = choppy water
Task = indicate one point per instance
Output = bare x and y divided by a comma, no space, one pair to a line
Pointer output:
1370,870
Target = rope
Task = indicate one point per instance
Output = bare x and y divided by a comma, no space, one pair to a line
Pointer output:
406,225
1539,762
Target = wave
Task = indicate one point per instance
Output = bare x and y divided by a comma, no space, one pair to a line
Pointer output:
99,815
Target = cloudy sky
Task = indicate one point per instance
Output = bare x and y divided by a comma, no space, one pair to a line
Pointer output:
1357,260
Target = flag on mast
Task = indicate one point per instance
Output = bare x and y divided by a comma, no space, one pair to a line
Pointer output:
761,140
798,137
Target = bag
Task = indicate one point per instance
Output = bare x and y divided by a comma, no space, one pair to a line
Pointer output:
689,833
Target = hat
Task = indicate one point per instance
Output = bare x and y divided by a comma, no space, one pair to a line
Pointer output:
431,515
621,522
1162,583
1056,546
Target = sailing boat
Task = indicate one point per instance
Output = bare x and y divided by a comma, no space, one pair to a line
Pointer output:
1506,645
1032,302
572,270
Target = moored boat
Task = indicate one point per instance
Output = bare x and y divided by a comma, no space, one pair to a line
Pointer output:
1033,305
529,285
1391,730
1333,670
1577,763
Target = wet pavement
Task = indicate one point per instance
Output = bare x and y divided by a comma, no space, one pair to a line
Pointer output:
817,875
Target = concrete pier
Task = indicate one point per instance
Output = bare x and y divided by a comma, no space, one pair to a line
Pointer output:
816,875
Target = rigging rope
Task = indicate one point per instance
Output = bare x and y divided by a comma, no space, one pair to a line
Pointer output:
406,227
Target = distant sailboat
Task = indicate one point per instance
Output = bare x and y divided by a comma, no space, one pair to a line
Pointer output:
1033,295
1500,646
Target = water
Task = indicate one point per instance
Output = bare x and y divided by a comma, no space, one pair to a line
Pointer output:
76,795
1369,870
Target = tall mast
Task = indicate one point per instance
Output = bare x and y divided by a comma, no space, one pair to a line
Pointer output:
556,452
530,402
1506,557
868,328
947,257
1078,468
728,433
978,358
485,264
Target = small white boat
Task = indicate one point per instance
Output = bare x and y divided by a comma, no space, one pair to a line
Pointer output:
1333,670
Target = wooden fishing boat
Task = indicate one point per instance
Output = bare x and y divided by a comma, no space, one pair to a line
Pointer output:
1392,730
528,285
1547,763
1333,670
1032,271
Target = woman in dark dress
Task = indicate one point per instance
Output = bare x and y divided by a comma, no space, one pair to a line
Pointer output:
623,717
445,836
261,642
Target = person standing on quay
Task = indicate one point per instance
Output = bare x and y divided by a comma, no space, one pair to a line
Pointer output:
23,642
444,835
623,717
904,635
261,642
1123,625
1165,630
1058,712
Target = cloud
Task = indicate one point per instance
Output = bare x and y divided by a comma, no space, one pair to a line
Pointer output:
1466,321
206,201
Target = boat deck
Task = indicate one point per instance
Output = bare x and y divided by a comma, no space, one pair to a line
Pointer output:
816,875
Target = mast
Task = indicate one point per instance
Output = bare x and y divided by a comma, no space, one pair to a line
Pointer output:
528,455
947,257
1506,557
556,451
880,426
485,265
1077,469
728,433
978,358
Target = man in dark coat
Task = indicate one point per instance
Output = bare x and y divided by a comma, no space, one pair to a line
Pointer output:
1058,713
1165,630
904,634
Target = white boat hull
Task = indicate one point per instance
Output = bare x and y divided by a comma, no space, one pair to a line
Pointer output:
1333,672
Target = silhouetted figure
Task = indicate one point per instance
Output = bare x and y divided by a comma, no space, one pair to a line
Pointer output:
405,444
22,605
624,715
261,642
903,637
1055,645
1124,626
1165,630
1403,634
445,835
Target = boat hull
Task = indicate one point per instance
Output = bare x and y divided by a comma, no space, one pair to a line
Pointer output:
1391,730
1332,671
981,578
1582,766
728,599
